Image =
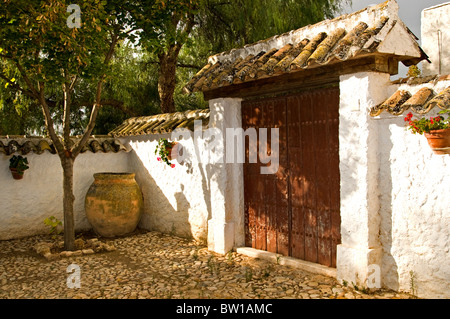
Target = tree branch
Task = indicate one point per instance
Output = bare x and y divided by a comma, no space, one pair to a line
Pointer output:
18,87
76,149
180,64
49,121
38,94
111,102
32,92
28,81
66,118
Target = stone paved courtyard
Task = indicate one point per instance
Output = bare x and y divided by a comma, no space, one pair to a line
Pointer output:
150,265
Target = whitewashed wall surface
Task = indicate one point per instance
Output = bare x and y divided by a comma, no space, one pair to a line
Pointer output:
414,186
395,205
395,208
435,38
174,200
24,204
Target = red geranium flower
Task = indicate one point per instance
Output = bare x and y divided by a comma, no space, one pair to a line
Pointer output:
424,125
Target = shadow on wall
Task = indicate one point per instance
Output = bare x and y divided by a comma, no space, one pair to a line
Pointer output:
389,265
176,201
159,213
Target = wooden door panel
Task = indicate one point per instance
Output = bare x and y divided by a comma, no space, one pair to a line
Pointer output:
295,212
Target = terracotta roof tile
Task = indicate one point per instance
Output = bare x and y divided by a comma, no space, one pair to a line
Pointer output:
161,123
321,49
347,38
422,102
284,64
38,145
324,48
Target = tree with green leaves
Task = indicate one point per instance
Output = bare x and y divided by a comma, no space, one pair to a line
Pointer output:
213,26
46,48
147,76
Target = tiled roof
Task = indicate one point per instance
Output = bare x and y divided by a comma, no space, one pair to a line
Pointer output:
38,145
421,102
162,123
344,40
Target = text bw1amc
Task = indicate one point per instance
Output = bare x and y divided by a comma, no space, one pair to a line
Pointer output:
225,308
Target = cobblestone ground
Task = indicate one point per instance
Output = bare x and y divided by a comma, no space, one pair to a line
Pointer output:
151,265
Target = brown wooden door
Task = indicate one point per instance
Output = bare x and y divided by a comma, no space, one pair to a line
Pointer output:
295,212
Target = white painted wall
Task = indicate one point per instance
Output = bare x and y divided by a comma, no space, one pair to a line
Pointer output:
176,200
202,197
182,200
415,212
24,204
395,207
226,226
435,39
414,189
359,163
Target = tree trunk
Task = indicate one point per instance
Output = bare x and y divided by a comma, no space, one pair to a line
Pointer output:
68,201
182,27
167,79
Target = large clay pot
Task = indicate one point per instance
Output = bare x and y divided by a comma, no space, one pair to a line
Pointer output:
114,204
439,141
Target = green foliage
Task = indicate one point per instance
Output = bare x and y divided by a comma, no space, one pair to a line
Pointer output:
425,125
413,71
234,23
133,82
37,42
412,283
53,62
163,149
160,35
35,37
19,162
54,224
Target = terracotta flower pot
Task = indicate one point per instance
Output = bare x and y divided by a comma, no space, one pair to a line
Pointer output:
15,173
439,141
114,204
173,151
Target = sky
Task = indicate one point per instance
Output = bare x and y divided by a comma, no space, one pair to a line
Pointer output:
410,12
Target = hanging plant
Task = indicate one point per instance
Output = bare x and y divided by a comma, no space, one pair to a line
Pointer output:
18,165
436,130
166,151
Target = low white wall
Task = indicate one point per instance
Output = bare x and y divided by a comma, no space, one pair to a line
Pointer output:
415,212
202,196
395,205
176,200
24,204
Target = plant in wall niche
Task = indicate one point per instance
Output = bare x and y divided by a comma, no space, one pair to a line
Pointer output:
436,129
166,151
18,165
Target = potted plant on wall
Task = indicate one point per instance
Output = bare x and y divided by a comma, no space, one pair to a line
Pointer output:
436,130
167,151
17,166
